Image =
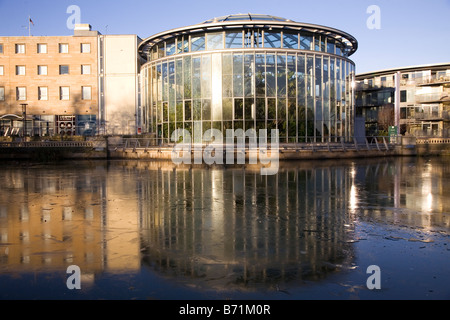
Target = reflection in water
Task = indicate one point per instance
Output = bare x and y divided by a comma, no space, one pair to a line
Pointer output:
236,227
218,228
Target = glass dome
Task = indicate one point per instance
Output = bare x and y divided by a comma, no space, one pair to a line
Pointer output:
246,16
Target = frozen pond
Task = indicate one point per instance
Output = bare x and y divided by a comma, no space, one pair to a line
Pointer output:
149,230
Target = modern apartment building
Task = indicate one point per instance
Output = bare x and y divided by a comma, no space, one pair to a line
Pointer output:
59,85
414,100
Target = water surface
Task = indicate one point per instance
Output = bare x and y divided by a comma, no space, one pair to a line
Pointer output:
150,230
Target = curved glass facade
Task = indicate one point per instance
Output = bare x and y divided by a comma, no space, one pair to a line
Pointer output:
299,82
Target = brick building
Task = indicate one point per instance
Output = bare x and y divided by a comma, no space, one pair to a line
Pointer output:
60,84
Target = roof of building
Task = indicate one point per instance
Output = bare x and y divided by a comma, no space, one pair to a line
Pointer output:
435,66
246,16
249,20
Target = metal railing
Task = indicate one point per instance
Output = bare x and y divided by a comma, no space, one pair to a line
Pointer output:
48,144
376,143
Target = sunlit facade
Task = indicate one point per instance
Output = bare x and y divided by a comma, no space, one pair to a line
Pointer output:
250,72
413,99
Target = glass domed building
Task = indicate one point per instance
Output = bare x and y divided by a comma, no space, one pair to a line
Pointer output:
250,71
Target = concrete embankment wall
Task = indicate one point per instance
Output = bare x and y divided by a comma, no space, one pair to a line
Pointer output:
166,154
433,147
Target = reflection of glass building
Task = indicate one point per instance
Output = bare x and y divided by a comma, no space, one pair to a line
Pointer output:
250,72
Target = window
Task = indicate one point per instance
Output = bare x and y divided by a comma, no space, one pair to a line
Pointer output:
198,43
403,96
1,48
2,71
272,40
42,70
215,41
233,40
63,69
86,69
86,93
21,93
63,48
20,48
41,48
85,48
20,70
43,93
2,93
64,93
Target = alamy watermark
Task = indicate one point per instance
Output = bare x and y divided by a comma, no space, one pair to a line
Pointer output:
239,147
374,281
74,280
75,16
374,20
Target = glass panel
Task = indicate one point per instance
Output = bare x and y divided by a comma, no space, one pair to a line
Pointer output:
182,44
179,112
233,40
187,77
249,109
227,109
270,75
291,76
260,109
281,75
292,121
206,76
260,75
197,112
63,69
272,40
332,97
317,42
196,78
215,41
330,45
318,95
86,93
198,43
238,88
170,48
187,110
238,109
301,97
165,111
306,41
271,109
290,40
165,82
310,97
248,75
206,110
338,49
179,79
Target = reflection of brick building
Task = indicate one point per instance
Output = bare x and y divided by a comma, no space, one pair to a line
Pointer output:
49,221
89,77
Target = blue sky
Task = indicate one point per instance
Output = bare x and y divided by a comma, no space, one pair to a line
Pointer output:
412,32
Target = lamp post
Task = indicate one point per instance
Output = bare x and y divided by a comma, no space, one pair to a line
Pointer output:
24,114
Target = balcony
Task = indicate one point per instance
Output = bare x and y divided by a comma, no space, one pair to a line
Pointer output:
433,80
361,86
433,97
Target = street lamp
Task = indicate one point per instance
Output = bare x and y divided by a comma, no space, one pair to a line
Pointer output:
24,114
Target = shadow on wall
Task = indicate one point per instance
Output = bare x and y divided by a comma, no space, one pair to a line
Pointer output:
121,123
